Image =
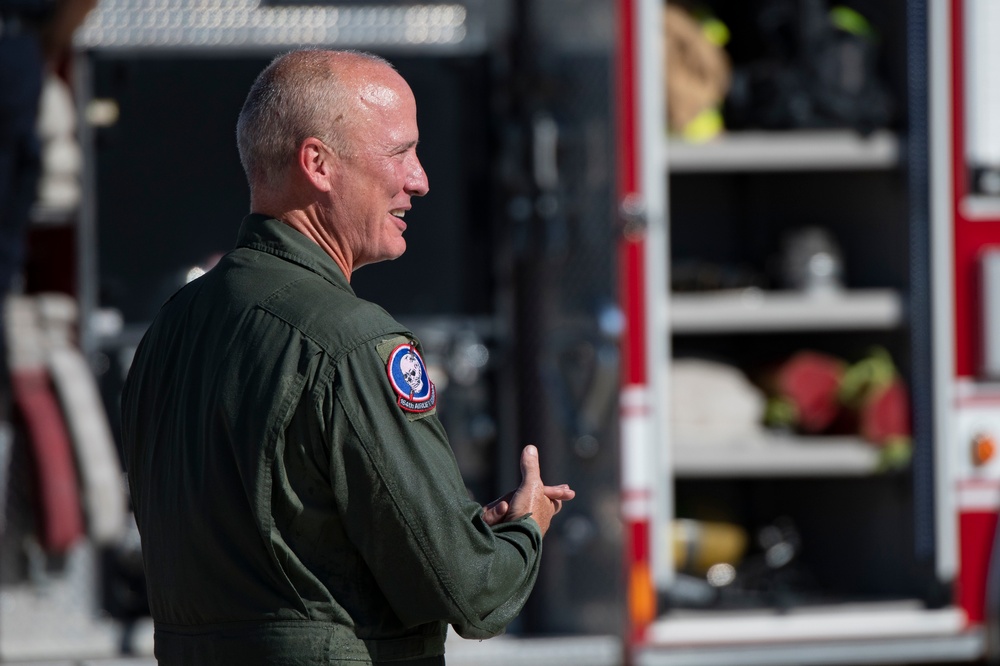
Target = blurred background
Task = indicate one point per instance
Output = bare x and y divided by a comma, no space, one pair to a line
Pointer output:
733,267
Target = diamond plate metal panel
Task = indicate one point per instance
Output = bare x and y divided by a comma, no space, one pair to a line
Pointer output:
253,25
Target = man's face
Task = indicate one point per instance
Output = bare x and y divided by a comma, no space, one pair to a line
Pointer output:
381,171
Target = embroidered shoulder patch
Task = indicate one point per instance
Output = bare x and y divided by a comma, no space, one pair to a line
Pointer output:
408,378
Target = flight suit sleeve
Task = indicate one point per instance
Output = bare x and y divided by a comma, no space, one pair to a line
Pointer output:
406,508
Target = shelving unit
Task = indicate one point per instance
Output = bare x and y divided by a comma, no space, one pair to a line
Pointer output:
732,203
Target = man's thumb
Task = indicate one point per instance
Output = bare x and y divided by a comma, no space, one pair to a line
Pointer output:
529,463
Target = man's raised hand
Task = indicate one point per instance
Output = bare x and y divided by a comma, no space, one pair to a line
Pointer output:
532,496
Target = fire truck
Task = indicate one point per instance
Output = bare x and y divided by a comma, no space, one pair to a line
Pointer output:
652,302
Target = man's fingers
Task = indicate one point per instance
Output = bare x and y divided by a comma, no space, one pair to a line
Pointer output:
495,512
560,492
529,463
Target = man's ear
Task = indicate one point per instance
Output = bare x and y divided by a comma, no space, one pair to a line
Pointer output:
317,163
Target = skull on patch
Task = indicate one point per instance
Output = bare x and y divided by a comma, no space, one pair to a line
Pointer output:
412,372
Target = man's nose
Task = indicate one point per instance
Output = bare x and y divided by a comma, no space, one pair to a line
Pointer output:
416,180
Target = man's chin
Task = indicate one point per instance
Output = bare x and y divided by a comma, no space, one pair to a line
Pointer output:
387,256
397,251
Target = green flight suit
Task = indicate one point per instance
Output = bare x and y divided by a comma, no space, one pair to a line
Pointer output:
292,511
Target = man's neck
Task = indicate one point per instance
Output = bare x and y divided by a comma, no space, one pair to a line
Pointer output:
309,222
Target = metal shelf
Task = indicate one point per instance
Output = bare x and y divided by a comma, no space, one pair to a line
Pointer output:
793,150
764,455
889,633
759,311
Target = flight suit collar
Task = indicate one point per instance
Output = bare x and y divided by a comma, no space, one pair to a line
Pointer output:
267,234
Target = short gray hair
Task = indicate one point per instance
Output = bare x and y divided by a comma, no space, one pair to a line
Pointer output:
299,95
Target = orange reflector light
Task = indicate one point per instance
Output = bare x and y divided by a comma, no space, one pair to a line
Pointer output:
984,448
641,595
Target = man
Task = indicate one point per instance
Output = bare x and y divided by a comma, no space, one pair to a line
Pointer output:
296,495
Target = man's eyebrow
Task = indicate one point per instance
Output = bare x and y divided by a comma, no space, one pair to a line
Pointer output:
406,146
